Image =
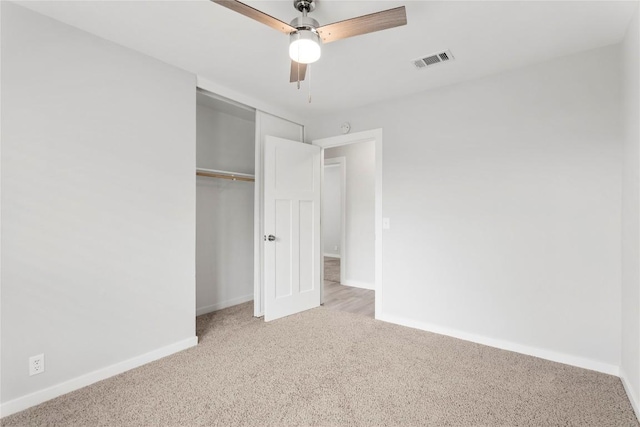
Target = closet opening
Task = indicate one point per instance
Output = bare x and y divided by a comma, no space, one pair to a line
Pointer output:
225,162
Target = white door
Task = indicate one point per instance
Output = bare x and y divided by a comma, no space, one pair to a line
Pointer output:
292,227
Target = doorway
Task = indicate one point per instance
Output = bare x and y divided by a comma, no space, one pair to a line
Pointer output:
225,134
350,202
304,264
334,218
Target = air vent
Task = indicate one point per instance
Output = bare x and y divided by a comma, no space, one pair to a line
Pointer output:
434,59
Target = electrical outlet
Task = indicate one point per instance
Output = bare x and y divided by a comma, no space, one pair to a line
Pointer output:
36,364
335,248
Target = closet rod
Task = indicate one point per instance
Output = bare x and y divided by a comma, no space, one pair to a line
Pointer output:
213,173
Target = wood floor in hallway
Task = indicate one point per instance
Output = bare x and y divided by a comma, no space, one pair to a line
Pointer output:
345,298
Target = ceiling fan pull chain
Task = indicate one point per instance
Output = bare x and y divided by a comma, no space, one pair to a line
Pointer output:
309,67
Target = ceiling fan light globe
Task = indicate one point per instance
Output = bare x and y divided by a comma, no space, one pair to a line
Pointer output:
305,47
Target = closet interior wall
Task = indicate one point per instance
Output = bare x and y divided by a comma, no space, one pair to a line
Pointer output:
225,141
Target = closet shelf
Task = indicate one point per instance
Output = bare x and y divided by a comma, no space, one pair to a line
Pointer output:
234,176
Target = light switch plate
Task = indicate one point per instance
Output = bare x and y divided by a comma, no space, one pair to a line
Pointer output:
386,223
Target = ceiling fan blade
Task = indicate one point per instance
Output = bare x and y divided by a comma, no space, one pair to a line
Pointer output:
294,76
390,18
252,13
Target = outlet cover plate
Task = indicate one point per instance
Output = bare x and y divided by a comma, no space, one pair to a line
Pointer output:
36,364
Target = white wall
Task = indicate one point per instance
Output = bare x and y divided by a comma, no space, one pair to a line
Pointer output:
224,212
332,210
504,198
224,141
630,361
98,207
359,248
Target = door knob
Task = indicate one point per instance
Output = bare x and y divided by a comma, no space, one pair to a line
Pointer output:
271,238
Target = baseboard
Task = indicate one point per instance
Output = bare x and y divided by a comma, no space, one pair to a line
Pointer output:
35,398
506,345
362,285
633,398
224,304
332,256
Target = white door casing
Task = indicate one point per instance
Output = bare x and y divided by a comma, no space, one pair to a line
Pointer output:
292,260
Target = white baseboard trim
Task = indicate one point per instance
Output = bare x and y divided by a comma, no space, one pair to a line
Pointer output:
223,304
633,397
332,256
554,356
357,284
40,396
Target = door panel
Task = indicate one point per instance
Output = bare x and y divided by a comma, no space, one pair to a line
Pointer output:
307,264
266,124
298,176
292,216
283,256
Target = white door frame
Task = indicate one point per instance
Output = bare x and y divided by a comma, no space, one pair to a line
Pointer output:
339,162
365,136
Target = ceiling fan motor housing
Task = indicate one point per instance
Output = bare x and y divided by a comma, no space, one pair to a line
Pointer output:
305,23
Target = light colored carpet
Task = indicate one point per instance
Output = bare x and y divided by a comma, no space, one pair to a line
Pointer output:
323,367
332,269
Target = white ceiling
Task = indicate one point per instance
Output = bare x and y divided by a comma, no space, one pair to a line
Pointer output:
252,59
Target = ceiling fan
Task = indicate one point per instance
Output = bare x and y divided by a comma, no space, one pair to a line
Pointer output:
306,35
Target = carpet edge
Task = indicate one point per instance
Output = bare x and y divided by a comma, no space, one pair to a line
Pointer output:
32,399
223,304
541,353
631,395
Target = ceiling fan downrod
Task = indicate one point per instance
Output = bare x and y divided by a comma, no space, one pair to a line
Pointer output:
304,6
304,22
